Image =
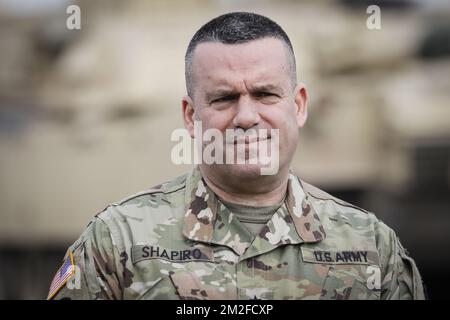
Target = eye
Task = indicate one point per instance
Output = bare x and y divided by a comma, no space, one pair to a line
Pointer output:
263,94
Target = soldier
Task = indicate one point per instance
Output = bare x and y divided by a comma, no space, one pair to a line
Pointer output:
225,231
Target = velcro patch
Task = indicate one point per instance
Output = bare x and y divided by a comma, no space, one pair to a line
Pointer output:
62,275
144,252
340,257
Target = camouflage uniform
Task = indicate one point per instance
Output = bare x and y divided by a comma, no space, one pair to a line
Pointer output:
177,241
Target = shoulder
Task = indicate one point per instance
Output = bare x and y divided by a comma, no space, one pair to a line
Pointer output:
332,208
140,216
168,194
167,191
349,223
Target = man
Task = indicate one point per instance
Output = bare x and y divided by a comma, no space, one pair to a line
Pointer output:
226,231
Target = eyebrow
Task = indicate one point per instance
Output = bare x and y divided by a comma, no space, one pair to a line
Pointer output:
221,92
265,87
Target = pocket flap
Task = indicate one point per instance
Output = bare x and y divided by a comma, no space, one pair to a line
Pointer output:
189,287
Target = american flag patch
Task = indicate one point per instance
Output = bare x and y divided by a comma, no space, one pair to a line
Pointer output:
62,275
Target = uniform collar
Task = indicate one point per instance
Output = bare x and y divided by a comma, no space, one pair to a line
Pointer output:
206,219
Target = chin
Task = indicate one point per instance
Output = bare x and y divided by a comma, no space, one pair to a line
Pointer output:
246,171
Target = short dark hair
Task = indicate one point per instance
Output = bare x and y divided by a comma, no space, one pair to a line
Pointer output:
236,28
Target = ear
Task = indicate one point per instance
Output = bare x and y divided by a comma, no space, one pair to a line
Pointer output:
188,114
301,102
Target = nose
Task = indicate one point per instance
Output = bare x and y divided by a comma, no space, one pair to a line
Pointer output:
247,115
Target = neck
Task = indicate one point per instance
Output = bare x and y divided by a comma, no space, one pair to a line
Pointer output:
260,192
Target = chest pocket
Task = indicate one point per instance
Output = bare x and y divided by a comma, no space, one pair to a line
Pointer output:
190,286
351,274
188,274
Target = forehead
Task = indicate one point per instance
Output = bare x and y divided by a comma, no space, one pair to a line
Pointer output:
262,60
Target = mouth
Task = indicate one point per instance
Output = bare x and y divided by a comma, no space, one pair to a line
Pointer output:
249,140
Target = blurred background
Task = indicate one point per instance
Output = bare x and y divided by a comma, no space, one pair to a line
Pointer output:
86,117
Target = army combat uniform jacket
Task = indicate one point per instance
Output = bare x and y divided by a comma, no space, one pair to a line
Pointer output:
178,241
